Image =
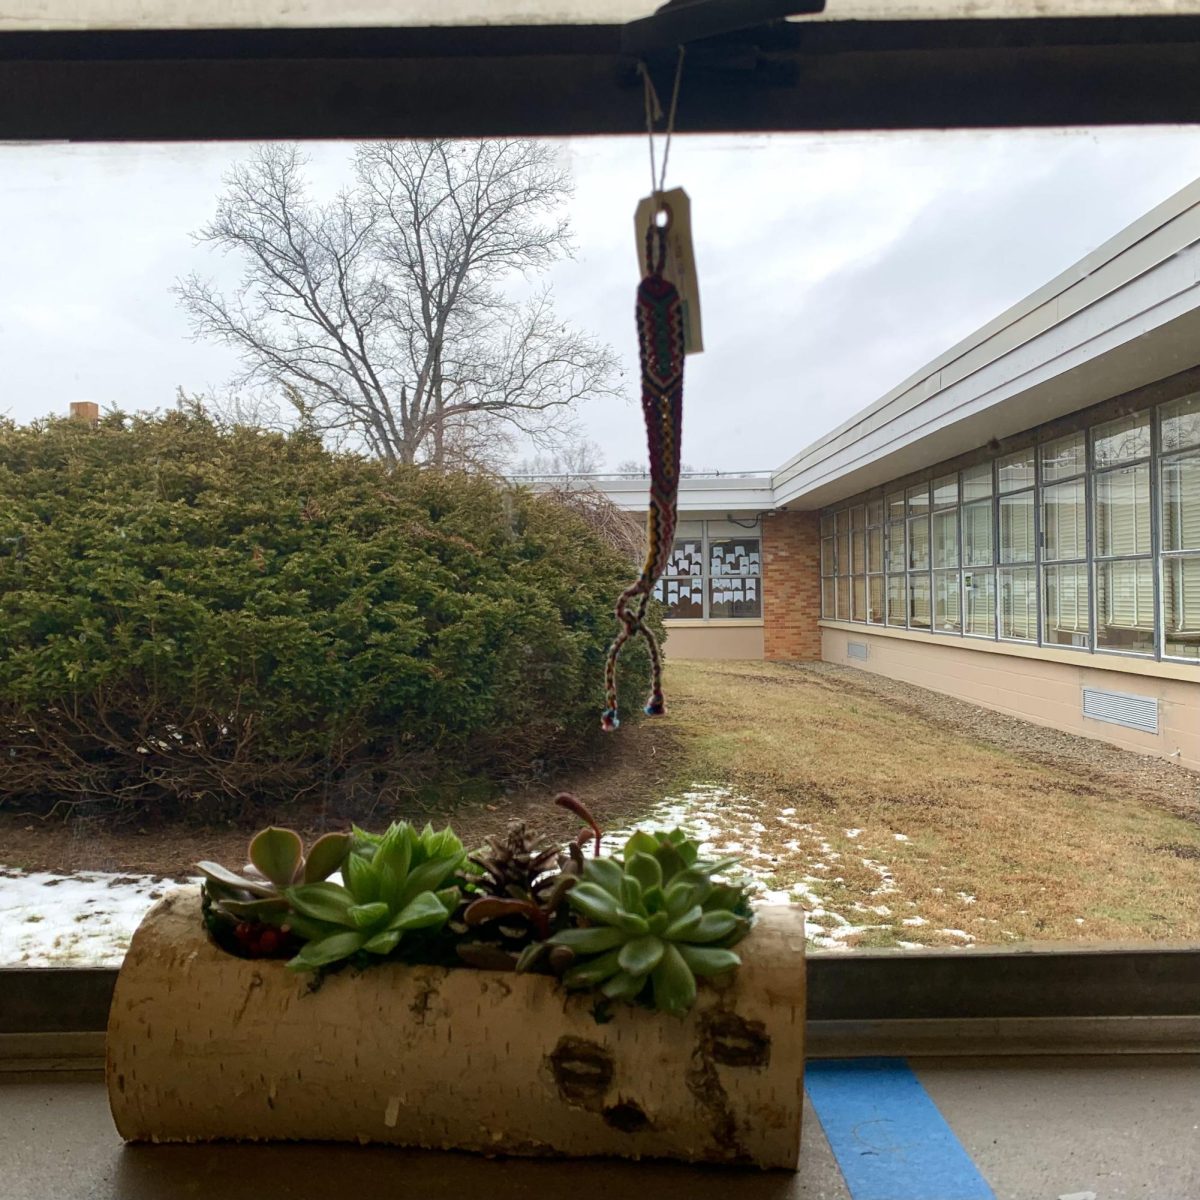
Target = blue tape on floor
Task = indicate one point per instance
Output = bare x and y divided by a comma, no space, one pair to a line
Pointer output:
887,1135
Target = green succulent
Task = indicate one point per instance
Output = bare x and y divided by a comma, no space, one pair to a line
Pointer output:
393,885
244,912
656,922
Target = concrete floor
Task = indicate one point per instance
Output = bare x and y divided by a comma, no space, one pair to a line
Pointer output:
1119,1127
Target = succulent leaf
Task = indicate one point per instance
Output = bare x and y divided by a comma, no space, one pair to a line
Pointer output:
708,960
226,878
674,983
366,916
593,901
421,912
641,955
326,856
606,873
594,940
327,950
322,901
645,869
278,854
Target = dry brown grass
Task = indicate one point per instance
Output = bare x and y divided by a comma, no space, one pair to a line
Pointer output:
1000,847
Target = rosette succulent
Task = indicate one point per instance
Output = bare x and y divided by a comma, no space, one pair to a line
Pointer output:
655,922
247,913
394,884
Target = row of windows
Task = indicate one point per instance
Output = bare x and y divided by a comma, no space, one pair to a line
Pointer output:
1089,540
714,572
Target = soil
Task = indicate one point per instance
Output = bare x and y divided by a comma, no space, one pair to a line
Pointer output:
639,765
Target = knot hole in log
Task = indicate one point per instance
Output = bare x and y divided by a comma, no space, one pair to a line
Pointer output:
582,1070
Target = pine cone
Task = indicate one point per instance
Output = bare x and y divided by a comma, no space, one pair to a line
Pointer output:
518,864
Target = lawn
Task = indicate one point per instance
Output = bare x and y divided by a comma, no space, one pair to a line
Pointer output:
851,795
897,817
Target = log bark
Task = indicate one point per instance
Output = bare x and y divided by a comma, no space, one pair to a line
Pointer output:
205,1046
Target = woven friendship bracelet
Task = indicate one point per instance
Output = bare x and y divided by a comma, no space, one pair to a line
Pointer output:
660,346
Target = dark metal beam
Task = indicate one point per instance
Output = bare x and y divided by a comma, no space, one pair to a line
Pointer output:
570,80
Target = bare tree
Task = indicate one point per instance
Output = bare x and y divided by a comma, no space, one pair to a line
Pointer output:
578,457
388,314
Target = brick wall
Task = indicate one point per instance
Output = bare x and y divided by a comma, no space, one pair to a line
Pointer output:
792,585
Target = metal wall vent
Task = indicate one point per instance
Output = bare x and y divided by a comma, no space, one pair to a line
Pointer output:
856,650
1121,708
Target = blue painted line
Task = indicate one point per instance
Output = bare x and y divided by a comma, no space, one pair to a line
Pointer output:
887,1135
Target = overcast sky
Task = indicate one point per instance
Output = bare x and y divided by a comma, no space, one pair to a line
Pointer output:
830,267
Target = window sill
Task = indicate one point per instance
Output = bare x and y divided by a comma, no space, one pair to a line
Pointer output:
1124,664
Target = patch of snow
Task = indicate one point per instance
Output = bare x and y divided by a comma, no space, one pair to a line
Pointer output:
81,920
958,933
900,837
853,833
965,897
914,921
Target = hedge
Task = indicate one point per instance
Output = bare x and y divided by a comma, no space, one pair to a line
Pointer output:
222,618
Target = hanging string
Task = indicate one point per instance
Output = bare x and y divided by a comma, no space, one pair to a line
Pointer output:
654,114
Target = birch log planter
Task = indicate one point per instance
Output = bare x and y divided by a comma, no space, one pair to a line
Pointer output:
205,1046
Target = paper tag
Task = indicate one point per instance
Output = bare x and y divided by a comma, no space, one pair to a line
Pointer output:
680,266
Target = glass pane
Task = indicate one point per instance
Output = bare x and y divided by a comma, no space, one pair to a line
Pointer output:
895,600
734,596
875,512
1063,458
1122,440
875,550
1180,423
979,596
945,491
843,553
947,612
978,549
858,517
1181,607
1123,511
896,557
895,506
1064,520
860,598
1125,606
1018,604
918,543
875,608
842,521
827,556
687,557
828,587
977,482
945,539
684,597
858,562
827,525
736,556
1067,606
843,598
1015,471
918,601
1181,504
918,499
1016,528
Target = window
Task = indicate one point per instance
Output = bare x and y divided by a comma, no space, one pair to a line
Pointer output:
1124,578
1066,603
682,586
979,603
1180,485
730,586
1086,540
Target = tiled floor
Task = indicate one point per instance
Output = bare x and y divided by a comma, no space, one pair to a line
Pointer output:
1118,1127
